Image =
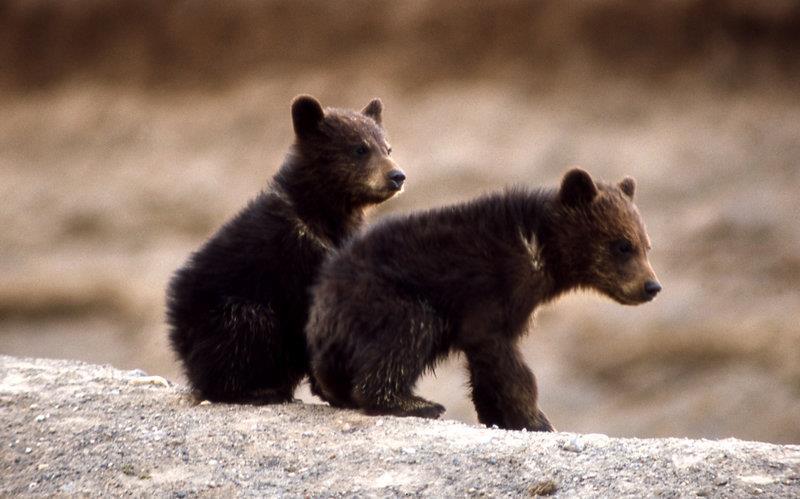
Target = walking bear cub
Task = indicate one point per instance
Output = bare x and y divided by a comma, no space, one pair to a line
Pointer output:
467,278
238,307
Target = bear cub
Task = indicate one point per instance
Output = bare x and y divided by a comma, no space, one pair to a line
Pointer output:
237,308
467,278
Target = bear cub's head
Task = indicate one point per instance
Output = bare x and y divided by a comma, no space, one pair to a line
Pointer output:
348,150
605,239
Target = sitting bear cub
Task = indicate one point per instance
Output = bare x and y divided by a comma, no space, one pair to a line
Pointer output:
467,278
238,307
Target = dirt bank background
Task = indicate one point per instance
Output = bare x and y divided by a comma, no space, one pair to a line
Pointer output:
131,129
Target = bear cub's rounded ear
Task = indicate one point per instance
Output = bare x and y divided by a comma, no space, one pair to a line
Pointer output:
374,110
628,186
577,188
307,114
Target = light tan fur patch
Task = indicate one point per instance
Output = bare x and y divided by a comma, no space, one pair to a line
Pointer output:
532,248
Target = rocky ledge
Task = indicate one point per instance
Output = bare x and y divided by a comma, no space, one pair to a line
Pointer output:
73,428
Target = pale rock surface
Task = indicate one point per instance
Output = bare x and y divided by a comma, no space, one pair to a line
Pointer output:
71,428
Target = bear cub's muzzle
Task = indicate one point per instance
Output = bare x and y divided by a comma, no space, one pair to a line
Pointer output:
651,289
396,179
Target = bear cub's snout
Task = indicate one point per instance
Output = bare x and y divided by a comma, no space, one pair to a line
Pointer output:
651,289
396,179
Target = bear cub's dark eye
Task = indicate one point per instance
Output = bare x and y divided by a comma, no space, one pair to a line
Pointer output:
389,151
622,248
362,150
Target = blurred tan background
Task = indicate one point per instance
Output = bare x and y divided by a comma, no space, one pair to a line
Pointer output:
131,129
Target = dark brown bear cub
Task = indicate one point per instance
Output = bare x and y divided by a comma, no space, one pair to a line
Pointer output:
238,307
467,278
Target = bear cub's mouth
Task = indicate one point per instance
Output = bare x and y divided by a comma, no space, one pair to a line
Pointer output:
635,299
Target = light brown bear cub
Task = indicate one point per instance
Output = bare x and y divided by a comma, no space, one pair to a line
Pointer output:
467,278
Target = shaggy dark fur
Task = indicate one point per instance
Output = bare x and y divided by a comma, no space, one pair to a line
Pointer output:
238,307
467,277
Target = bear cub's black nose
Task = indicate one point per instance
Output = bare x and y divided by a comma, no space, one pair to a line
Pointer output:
651,288
396,179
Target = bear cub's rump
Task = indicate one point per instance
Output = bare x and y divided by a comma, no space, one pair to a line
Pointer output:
237,308
467,278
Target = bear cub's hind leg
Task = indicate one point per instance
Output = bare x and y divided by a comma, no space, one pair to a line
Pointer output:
379,390
405,406
373,366
386,384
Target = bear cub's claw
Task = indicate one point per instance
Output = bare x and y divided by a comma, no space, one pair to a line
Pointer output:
543,424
